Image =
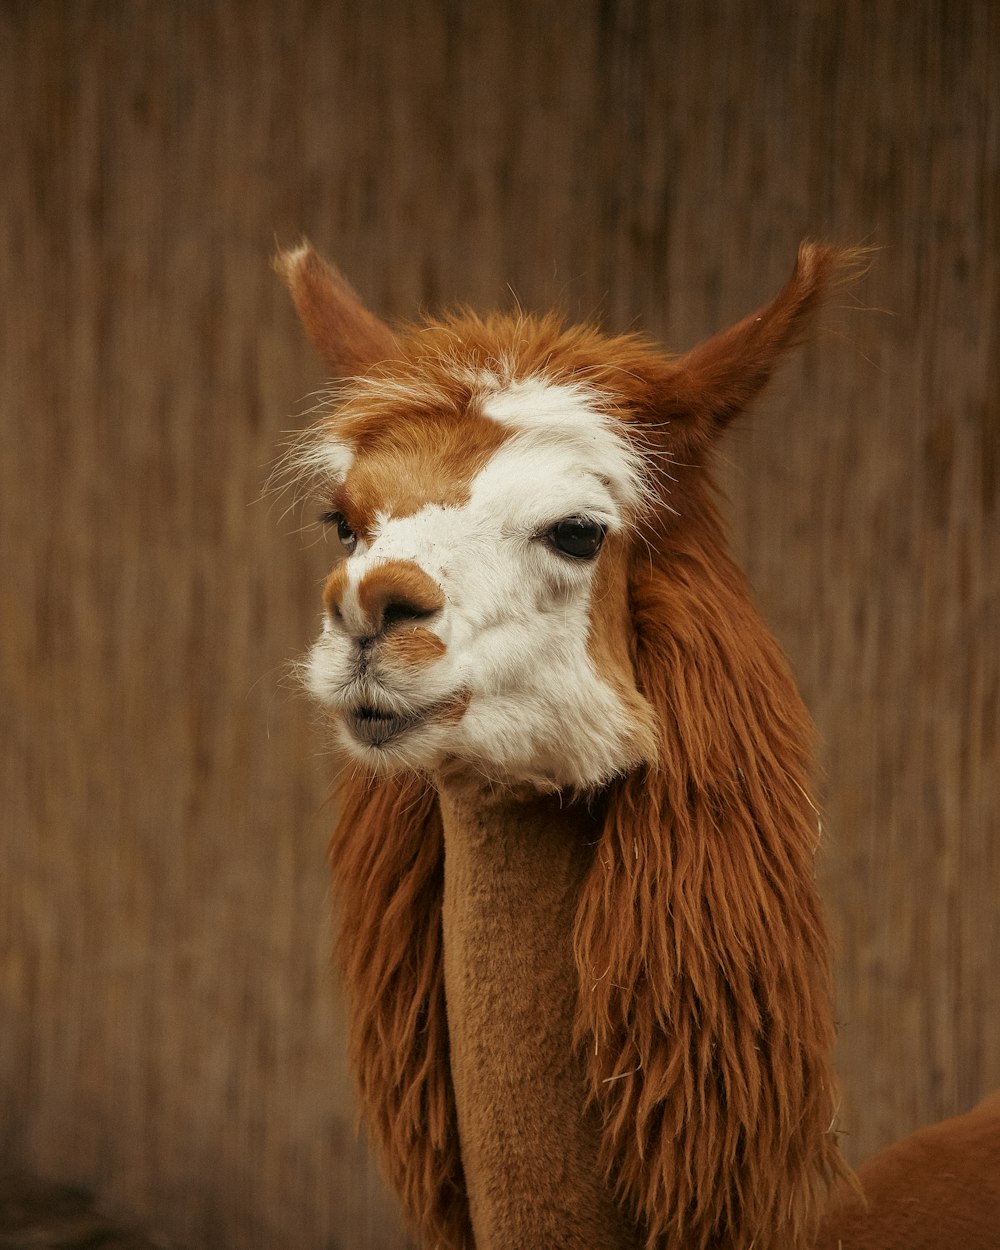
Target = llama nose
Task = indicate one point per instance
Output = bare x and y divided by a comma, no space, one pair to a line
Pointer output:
393,594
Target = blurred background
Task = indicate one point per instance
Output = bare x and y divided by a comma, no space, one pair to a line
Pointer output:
170,1033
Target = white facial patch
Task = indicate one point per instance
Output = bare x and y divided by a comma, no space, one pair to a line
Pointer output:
516,620
567,416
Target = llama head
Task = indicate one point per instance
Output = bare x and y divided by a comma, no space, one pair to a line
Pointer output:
490,483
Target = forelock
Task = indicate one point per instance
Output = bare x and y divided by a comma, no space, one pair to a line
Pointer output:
487,381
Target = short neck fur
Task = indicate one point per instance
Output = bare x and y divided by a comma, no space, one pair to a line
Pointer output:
513,870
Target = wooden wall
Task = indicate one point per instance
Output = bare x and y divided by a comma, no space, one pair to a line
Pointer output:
168,1028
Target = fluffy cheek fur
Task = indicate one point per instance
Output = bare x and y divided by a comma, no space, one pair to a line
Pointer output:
540,710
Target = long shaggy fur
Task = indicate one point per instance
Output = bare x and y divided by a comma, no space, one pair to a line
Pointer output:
387,857
702,956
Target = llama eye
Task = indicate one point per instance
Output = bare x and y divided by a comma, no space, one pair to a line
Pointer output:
577,536
347,536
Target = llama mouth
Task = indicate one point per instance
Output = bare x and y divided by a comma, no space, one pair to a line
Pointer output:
375,728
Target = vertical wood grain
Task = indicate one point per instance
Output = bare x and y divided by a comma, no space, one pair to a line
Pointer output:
168,1027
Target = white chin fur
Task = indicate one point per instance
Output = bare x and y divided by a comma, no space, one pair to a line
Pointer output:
505,758
537,735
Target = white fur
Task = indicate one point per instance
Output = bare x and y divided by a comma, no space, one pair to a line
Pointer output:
325,458
568,416
516,617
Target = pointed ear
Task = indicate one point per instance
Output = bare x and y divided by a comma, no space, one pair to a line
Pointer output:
718,379
347,336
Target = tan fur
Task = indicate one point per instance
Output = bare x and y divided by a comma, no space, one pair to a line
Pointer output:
938,1189
702,1017
609,646
347,336
701,951
396,581
513,867
435,461
412,648
333,589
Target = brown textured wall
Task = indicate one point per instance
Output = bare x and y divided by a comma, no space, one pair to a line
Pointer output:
168,1030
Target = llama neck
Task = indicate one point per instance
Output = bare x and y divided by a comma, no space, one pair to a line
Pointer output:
513,872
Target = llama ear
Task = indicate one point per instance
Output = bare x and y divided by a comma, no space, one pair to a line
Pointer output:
717,380
347,336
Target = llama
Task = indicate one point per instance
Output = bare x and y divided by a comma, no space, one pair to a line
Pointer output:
580,934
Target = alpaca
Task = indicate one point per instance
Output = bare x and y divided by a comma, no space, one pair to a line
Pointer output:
580,932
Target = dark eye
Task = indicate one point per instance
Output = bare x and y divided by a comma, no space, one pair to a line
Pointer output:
347,536
577,536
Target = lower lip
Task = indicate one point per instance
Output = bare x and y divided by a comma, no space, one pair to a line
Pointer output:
376,730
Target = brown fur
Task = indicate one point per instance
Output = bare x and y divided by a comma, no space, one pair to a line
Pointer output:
530,1148
453,710
396,581
433,461
701,950
938,1189
704,998
412,648
388,869
609,646
345,334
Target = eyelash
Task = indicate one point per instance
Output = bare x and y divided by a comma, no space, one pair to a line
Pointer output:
347,536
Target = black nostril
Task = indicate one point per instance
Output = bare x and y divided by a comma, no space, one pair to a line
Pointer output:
396,612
